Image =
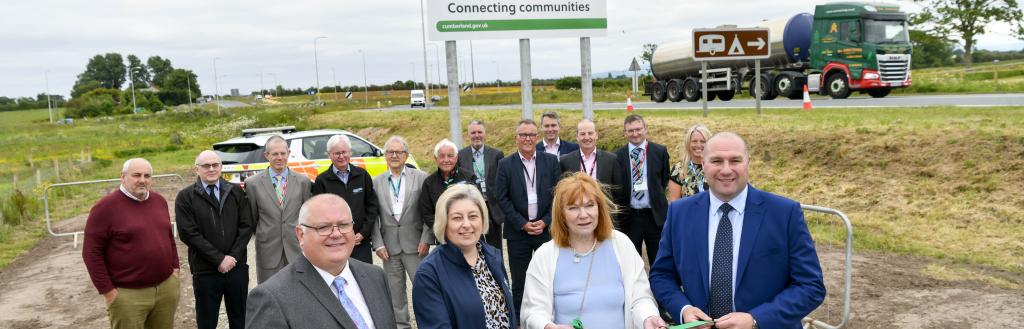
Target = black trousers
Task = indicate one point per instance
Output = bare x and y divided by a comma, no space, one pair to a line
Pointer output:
520,252
643,230
362,252
493,236
209,288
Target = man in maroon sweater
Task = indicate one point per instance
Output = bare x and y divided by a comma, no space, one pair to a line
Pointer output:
130,253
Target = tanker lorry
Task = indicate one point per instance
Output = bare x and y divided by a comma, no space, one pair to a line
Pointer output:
843,47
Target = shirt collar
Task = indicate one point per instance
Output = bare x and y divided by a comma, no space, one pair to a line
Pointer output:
475,150
339,171
524,159
392,174
129,194
739,203
329,278
557,142
274,173
593,154
642,145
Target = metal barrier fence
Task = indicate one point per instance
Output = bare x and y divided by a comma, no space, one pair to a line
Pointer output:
46,204
810,322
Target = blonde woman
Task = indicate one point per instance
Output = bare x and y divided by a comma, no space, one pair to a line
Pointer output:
687,177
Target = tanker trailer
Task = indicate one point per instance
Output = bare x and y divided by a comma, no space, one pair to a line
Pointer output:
844,47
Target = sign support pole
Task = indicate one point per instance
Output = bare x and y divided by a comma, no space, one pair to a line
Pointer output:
704,87
526,80
757,86
585,79
454,117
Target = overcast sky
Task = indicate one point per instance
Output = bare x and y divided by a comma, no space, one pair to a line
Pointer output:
276,38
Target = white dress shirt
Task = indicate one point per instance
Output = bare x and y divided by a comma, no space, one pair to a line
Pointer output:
351,289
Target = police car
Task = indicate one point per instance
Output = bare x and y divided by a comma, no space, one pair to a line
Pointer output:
242,157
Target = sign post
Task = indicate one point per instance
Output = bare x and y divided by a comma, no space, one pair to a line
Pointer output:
718,44
449,20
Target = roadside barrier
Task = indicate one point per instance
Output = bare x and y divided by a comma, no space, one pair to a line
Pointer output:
824,316
74,243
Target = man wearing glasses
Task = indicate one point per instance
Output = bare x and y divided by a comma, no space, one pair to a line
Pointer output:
524,188
214,222
323,288
354,185
275,196
646,164
400,238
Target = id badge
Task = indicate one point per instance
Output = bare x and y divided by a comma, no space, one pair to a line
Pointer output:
531,198
640,186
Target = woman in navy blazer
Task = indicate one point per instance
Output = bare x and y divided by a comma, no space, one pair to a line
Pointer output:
449,292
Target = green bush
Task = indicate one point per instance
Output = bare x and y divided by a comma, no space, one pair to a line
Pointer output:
567,83
18,208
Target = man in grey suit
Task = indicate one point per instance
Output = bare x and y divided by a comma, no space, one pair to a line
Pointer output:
601,165
324,288
275,196
400,239
482,162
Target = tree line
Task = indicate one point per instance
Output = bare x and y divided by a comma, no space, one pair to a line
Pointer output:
28,103
106,86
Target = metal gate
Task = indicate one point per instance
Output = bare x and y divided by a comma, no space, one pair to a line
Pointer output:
824,312
46,204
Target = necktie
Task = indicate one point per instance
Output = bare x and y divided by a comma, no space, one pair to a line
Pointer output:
346,303
721,267
279,189
213,194
637,170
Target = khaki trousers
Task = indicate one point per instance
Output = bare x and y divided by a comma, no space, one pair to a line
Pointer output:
145,308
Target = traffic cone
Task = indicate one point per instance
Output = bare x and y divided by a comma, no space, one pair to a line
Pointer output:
807,100
629,104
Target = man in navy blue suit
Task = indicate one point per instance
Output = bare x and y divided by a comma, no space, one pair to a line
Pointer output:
524,186
551,125
743,257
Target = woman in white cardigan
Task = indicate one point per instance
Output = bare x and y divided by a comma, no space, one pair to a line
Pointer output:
588,275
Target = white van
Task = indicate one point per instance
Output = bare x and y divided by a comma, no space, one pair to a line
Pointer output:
417,98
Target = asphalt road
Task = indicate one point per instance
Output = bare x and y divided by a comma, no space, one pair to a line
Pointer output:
856,101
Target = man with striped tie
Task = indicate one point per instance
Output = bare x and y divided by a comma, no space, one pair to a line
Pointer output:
324,287
275,196
647,167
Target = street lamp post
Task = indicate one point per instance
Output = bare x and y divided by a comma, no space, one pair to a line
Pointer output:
216,85
273,91
426,76
366,97
131,78
497,69
49,104
188,87
316,65
437,57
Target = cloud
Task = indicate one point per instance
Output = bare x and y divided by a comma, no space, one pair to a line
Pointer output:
276,38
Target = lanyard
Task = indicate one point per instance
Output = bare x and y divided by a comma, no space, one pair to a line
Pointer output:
593,164
395,189
532,179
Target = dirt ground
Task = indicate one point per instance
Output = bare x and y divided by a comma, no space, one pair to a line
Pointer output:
48,287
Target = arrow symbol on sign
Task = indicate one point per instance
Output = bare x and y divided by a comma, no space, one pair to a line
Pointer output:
759,43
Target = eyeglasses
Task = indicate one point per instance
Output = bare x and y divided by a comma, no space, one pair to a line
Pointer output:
634,130
395,153
340,154
526,135
208,166
328,229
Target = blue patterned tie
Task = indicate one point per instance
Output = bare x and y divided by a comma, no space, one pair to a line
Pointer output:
346,303
721,267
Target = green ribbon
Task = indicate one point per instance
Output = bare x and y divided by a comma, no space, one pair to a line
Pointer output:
691,324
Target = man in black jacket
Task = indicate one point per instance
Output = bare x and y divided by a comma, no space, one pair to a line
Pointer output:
355,185
646,166
214,221
481,162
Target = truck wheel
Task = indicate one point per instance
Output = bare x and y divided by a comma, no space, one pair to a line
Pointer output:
658,94
879,93
767,92
726,95
785,85
712,95
675,90
691,91
838,86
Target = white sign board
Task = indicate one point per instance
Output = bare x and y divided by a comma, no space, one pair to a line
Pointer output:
515,19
